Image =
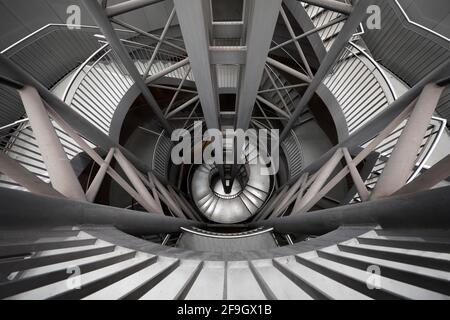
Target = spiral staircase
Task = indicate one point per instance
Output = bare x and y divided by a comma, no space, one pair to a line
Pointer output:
325,226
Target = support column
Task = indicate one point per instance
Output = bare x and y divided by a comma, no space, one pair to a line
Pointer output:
403,158
58,166
193,17
25,178
261,24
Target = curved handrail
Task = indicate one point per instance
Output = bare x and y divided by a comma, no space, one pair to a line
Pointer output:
216,235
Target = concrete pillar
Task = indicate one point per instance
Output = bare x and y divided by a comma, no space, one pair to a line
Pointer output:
25,178
403,158
59,169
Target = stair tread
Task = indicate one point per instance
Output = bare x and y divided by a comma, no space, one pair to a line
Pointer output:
210,283
390,285
322,283
280,285
241,284
123,287
170,287
61,287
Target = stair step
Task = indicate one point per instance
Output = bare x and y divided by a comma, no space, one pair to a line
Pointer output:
407,244
9,249
393,278
241,283
53,258
43,276
91,282
278,285
210,282
314,283
137,284
177,284
353,279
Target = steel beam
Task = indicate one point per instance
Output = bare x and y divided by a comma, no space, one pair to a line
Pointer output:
261,22
99,177
127,6
193,17
104,24
328,62
183,106
332,5
142,32
280,66
25,209
166,71
160,42
308,33
59,169
422,210
358,181
137,183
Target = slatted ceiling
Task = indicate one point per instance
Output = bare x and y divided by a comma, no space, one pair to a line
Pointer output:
405,49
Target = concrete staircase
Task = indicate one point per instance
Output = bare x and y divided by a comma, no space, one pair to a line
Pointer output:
379,264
